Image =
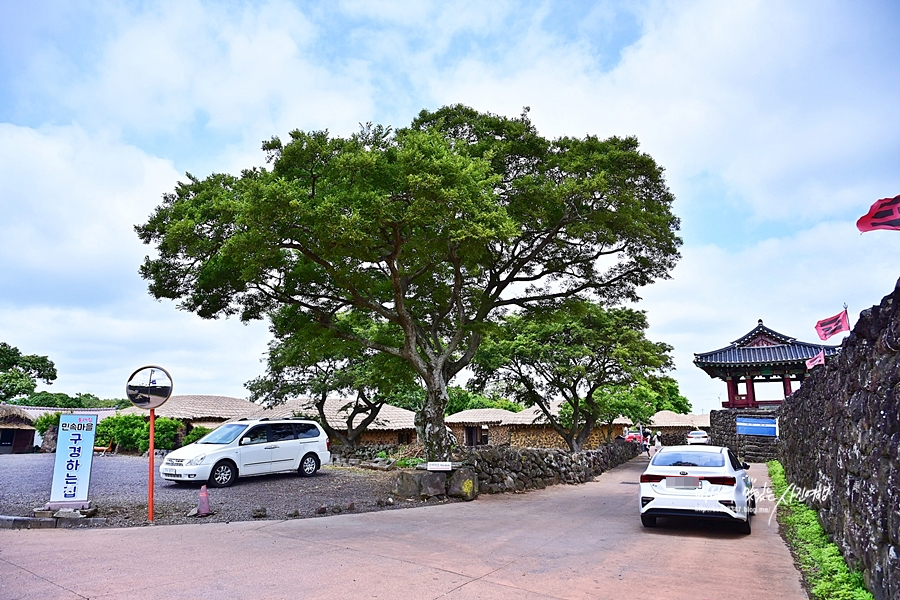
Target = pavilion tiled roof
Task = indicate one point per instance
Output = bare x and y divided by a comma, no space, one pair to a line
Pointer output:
762,346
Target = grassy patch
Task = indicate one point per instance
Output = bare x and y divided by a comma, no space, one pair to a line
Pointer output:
824,569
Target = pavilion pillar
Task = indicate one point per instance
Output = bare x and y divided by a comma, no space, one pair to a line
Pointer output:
732,391
786,382
751,393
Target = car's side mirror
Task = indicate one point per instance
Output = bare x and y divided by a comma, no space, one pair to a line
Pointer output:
745,466
245,441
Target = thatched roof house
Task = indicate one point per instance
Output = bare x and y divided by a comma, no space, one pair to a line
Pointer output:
528,428
199,410
393,425
16,430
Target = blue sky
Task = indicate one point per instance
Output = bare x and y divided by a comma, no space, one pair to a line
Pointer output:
777,123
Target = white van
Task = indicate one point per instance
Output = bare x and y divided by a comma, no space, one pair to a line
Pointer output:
250,447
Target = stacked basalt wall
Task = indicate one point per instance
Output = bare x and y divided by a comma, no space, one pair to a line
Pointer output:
840,442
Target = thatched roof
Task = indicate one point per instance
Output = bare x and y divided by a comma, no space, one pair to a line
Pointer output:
13,413
667,418
480,416
36,411
199,407
390,418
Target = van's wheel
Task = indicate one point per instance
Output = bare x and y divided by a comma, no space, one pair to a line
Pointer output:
223,474
648,521
309,465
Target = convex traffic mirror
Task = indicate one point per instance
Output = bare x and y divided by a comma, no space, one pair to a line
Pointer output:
149,387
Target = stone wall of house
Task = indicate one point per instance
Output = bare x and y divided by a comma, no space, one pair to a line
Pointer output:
841,437
750,448
508,469
544,436
378,437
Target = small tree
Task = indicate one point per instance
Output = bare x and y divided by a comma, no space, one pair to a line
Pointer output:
328,365
575,354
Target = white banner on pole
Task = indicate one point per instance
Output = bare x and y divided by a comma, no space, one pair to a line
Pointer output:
74,452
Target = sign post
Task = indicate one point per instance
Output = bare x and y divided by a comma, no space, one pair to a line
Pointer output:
72,469
149,388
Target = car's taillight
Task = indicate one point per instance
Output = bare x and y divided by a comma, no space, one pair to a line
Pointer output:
720,480
328,444
647,478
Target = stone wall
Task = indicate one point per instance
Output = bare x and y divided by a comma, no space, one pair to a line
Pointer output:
507,469
750,448
841,437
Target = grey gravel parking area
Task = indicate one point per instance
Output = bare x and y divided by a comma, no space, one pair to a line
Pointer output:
119,491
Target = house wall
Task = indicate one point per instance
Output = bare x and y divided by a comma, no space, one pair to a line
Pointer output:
544,436
381,436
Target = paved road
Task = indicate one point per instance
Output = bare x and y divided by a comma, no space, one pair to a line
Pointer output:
575,542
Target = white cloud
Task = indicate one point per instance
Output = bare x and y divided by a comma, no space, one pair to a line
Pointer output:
716,296
70,199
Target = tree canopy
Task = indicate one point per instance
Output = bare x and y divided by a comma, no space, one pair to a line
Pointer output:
432,232
19,372
580,363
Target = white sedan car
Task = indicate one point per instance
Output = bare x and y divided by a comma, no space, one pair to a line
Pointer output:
698,437
697,481
247,447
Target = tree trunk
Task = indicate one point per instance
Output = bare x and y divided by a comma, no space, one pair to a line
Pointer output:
436,437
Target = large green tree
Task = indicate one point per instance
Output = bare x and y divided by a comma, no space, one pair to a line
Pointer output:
574,362
19,372
433,231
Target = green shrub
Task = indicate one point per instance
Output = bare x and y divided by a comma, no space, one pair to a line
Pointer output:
195,434
165,429
381,454
405,463
822,565
124,430
132,432
46,421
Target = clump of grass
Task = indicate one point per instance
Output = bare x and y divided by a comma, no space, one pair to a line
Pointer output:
821,563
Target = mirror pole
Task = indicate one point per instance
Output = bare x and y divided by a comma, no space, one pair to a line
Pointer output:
152,453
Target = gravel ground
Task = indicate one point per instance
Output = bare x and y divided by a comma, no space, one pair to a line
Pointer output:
119,491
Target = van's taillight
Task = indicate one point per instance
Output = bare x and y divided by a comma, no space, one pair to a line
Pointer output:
720,480
645,478
328,444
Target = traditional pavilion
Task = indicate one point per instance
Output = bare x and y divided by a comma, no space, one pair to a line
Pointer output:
761,355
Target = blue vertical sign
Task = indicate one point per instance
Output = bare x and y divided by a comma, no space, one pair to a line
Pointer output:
74,452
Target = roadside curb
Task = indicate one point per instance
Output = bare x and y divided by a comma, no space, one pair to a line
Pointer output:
48,523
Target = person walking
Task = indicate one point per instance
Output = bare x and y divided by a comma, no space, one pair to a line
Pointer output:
657,442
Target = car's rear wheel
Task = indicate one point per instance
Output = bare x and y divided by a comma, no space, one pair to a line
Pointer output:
744,526
648,521
309,465
223,474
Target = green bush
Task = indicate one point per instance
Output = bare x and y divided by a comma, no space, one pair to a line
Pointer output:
822,565
166,431
195,434
46,421
132,432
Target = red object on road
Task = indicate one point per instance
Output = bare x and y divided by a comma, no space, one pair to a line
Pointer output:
884,214
833,325
203,507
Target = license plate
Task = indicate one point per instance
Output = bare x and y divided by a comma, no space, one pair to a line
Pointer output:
169,471
683,483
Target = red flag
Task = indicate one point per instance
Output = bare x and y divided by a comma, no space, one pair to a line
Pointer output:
818,359
884,214
833,325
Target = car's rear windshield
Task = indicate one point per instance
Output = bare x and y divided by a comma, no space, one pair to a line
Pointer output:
686,458
224,434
